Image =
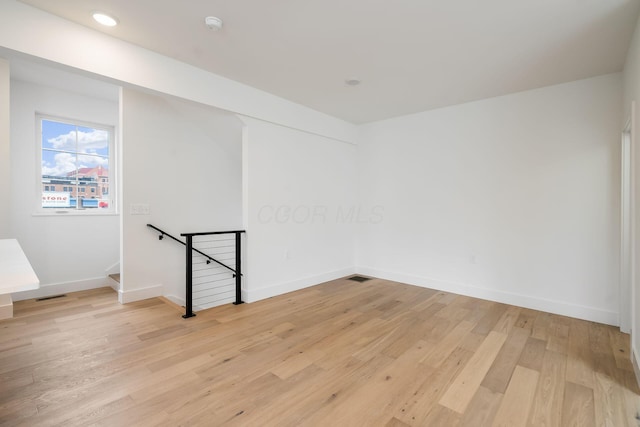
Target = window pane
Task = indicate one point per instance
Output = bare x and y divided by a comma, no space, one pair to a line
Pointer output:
75,157
93,141
55,163
58,136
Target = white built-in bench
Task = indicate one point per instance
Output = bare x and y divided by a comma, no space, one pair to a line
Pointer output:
16,275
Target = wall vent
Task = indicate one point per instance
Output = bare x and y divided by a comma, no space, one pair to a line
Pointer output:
52,297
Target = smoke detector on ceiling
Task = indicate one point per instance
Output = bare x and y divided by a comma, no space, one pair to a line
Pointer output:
213,23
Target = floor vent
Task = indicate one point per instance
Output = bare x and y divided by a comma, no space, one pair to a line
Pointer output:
359,279
46,298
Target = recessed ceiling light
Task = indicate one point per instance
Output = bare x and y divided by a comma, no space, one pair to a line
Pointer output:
352,81
104,19
213,22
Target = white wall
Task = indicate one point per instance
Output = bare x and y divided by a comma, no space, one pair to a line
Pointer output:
298,190
61,249
513,199
184,160
631,92
5,149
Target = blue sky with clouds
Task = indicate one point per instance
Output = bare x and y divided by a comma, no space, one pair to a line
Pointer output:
66,147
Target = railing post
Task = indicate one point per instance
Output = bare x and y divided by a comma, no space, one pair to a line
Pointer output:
238,270
189,280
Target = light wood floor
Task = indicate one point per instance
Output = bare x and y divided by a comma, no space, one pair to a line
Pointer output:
339,354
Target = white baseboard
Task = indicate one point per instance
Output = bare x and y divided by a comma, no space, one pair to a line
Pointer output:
62,288
253,295
535,303
176,300
139,294
114,269
114,284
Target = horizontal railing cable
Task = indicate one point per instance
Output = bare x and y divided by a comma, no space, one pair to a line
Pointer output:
209,284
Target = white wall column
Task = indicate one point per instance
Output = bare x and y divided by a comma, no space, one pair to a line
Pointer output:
5,150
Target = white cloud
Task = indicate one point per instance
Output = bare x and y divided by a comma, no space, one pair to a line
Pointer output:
64,163
92,161
88,142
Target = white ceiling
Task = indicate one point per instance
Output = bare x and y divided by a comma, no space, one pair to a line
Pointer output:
411,55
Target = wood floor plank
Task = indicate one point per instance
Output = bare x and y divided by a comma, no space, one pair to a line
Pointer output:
418,402
500,372
609,411
620,347
442,416
461,391
526,319
507,320
367,405
439,352
340,353
316,397
489,319
455,308
631,402
482,408
533,354
579,359
518,398
296,363
548,399
578,409
541,325
394,422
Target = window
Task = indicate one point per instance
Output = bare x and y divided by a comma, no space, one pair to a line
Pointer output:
75,155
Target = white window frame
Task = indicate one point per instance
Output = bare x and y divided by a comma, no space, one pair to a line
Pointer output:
113,184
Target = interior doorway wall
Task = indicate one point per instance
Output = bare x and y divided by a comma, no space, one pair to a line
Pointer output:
627,292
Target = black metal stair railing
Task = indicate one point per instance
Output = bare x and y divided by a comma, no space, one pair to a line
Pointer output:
190,249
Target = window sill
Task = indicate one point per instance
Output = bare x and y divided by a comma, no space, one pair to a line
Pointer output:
71,213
